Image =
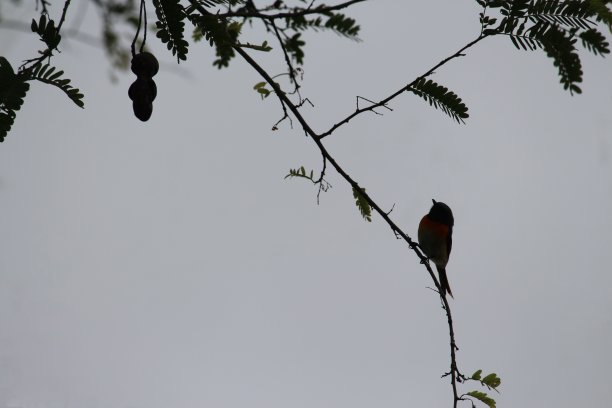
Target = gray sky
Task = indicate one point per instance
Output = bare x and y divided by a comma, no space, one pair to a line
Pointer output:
168,264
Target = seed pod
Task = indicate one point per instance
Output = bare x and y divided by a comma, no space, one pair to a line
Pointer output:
145,65
142,110
143,90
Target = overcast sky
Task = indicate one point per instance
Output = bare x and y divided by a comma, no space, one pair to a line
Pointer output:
169,264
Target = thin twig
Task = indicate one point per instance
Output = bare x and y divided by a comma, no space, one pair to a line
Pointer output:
287,59
295,13
63,17
144,28
405,88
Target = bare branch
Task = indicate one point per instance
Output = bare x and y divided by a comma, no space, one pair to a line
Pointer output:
384,102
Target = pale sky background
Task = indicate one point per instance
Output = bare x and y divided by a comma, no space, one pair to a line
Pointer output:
169,264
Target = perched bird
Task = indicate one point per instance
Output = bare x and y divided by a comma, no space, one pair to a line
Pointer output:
436,239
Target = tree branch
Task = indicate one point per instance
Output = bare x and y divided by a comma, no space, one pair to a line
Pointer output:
327,157
384,102
297,11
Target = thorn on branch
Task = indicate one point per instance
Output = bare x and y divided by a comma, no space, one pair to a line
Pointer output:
372,108
389,212
303,101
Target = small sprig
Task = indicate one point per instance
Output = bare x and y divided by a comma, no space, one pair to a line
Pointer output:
440,97
170,26
491,381
362,204
48,75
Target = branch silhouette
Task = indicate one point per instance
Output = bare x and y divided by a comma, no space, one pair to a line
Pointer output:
327,157
254,13
553,27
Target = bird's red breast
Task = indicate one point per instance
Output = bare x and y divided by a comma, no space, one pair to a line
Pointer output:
433,239
434,227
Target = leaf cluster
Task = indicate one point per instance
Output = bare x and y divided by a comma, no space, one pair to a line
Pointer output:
13,88
362,204
301,172
47,31
220,28
48,75
440,97
296,24
483,397
491,381
261,89
220,33
553,26
171,27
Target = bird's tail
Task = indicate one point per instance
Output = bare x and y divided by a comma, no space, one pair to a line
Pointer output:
444,281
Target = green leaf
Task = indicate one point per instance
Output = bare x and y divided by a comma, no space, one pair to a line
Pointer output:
362,204
263,47
301,172
220,34
440,97
492,381
476,375
293,46
483,397
343,25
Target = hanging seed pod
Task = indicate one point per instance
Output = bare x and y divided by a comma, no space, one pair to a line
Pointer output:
142,110
143,90
145,65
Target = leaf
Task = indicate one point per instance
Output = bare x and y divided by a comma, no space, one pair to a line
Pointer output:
440,97
263,47
170,26
337,22
263,92
553,27
47,31
13,89
476,375
343,25
560,47
362,204
483,397
301,172
492,381
601,12
595,42
220,34
293,46
45,73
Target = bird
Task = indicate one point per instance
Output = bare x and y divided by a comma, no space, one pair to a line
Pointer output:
436,239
